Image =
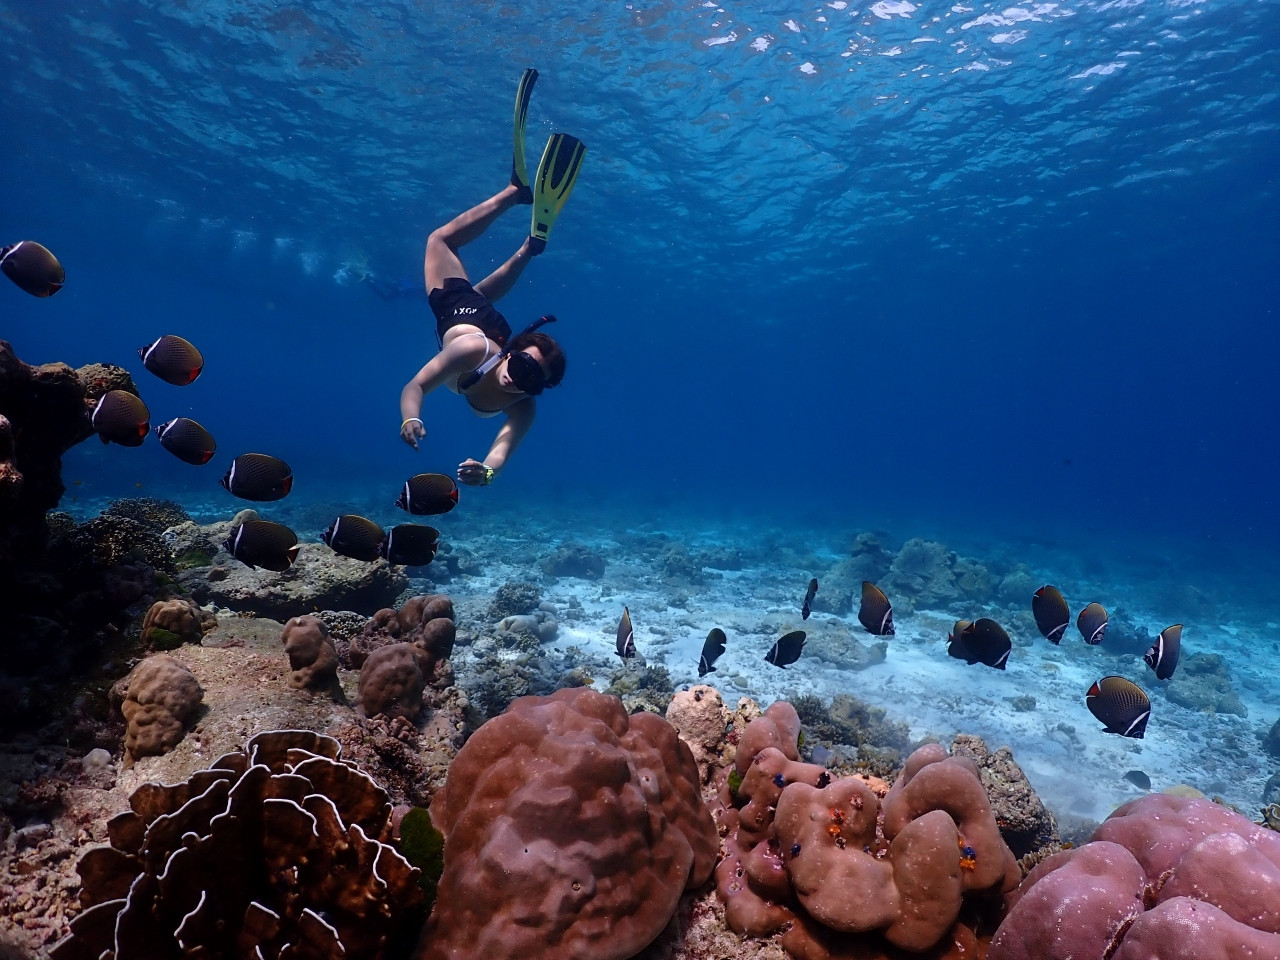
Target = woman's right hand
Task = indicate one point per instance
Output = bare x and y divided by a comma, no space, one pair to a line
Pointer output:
411,431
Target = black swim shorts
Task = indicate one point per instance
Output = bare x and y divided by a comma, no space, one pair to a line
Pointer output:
459,302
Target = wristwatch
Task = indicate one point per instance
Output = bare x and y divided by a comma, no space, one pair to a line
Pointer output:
488,474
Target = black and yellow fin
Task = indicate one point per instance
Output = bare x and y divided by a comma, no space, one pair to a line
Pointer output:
519,169
557,173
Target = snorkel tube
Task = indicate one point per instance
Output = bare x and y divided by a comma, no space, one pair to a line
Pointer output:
472,378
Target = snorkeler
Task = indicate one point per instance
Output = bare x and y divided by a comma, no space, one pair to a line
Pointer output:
393,289
479,358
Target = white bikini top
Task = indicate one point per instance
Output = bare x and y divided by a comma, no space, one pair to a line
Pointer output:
486,365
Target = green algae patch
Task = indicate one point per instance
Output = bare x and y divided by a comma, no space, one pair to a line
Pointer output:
423,846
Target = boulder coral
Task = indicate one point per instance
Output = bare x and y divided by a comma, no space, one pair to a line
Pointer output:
425,620
160,696
171,623
313,661
392,681
852,866
280,850
699,716
1164,878
571,831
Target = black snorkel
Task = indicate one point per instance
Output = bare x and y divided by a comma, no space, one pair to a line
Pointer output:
471,379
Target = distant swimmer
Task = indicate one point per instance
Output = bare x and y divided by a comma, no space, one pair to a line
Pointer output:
479,358
405,288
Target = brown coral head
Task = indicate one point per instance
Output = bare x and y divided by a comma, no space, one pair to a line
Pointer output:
779,727
384,621
392,682
181,617
424,608
163,695
571,830
312,655
271,859
436,637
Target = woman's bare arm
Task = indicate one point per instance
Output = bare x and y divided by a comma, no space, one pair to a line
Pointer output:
519,419
460,355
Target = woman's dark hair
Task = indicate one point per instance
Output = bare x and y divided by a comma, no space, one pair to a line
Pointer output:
549,349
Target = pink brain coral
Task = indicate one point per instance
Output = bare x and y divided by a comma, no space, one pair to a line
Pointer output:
1210,877
571,831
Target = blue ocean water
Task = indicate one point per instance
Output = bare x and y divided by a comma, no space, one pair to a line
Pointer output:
1003,276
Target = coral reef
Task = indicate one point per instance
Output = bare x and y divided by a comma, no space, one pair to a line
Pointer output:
1025,823
312,657
1163,878
171,623
1271,790
45,415
278,850
642,687
66,589
1271,742
513,599
571,831
107,540
921,576
160,697
1203,683
318,580
496,681
394,673
425,620
679,567
574,560
850,721
156,515
851,864
541,623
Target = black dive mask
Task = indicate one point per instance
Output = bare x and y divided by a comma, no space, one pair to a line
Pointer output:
525,372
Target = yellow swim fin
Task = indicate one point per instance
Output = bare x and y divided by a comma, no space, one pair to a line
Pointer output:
519,170
557,173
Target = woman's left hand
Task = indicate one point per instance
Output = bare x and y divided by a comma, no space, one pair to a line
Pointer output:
473,473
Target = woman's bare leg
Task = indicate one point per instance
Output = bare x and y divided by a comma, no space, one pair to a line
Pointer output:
499,283
442,259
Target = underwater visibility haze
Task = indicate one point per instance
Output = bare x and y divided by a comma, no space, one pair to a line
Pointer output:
1000,277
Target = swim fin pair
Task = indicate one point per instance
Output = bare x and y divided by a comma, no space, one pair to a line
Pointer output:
557,171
